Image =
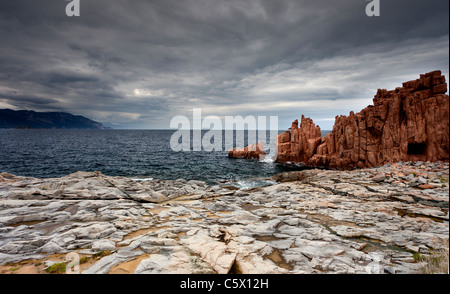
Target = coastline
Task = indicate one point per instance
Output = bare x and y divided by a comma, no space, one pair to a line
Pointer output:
373,220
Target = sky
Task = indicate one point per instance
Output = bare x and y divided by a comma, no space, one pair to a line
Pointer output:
137,64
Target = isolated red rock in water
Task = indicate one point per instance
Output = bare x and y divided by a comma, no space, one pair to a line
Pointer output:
410,123
250,152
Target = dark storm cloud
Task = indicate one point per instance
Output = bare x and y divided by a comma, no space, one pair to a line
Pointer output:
19,100
138,63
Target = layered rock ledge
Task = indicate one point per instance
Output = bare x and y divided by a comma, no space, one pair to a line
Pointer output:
373,220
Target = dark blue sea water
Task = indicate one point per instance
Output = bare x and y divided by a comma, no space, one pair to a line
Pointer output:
130,153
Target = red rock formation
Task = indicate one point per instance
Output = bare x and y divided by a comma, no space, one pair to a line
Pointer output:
249,152
409,123
299,144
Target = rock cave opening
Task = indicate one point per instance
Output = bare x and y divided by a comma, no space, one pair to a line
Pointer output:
417,148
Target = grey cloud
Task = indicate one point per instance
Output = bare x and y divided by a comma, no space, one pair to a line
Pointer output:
19,101
204,53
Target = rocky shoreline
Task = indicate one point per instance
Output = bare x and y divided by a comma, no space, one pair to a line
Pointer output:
373,220
409,123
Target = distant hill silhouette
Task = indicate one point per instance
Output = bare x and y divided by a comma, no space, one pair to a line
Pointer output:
27,119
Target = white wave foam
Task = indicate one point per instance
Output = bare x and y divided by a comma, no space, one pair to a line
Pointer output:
268,160
244,185
143,180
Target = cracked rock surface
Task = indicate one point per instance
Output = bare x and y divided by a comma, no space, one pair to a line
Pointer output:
314,221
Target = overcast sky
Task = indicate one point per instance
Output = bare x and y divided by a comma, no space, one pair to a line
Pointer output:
137,64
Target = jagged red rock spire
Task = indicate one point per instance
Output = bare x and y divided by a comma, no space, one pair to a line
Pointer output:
299,144
409,123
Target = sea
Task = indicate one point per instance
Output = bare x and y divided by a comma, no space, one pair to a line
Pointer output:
138,154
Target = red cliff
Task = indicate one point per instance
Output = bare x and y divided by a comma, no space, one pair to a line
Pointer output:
409,123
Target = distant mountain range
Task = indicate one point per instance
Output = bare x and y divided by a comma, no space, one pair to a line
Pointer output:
27,119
